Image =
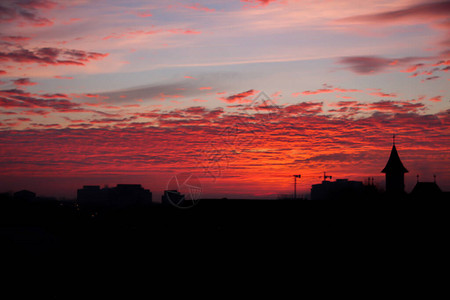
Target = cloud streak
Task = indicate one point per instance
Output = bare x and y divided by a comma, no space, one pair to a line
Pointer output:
51,56
365,65
425,11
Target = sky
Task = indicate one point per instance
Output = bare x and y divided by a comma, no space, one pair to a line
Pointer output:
242,94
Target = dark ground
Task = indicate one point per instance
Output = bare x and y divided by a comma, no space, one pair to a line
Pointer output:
238,236
54,230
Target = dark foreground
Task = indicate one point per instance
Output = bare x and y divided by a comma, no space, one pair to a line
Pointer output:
61,230
217,235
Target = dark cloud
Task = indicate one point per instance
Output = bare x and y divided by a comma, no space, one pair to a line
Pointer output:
432,78
50,56
8,113
374,64
433,10
21,99
23,81
26,12
365,64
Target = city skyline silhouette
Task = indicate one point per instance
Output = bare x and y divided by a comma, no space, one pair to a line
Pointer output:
393,166
187,188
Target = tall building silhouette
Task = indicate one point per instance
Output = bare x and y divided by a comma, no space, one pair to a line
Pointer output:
395,172
341,189
121,196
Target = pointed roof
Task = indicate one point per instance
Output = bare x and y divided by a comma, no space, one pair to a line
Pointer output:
394,164
426,188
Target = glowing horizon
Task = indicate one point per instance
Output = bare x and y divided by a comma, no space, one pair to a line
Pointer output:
107,92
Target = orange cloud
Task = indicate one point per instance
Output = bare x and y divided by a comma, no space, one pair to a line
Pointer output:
62,77
436,99
327,89
197,6
412,68
380,94
240,98
319,91
23,81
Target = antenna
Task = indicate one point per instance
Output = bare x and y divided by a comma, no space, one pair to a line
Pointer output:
417,177
325,176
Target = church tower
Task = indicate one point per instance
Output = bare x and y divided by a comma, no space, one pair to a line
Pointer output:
395,172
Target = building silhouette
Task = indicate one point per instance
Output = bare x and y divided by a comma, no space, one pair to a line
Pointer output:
395,173
340,189
25,195
121,196
344,189
172,196
426,190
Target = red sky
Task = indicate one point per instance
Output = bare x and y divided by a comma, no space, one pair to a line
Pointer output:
243,94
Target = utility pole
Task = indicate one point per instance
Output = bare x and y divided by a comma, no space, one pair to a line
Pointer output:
295,185
325,176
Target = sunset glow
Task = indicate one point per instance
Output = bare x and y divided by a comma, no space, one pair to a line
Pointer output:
244,93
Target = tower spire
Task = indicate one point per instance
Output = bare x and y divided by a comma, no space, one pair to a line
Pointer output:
394,171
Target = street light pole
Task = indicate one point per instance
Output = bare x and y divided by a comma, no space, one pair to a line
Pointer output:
295,185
